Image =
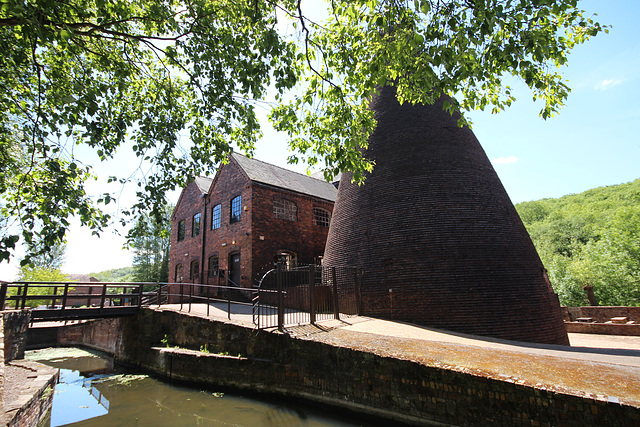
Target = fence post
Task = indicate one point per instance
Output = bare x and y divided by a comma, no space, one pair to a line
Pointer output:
190,295
312,294
356,281
280,297
181,293
3,294
336,308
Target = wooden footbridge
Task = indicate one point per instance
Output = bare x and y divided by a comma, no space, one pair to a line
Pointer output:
54,301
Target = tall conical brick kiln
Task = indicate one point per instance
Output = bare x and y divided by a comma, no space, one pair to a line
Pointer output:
437,236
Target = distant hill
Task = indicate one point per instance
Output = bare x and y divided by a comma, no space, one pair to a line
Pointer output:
124,274
591,239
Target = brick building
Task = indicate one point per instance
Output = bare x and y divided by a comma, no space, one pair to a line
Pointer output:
233,228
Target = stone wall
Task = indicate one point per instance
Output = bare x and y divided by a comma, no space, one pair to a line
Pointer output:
598,320
601,314
16,323
383,386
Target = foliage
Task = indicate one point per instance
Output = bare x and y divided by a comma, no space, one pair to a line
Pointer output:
590,239
99,73
51,259
151,242
39,274
124,274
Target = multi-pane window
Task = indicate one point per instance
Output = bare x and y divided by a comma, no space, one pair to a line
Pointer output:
236,209
195,225
321,217
213,266
194,271
215,217
181,230
178,277
285,209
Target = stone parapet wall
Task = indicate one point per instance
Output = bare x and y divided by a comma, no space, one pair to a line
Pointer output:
16,323
389,387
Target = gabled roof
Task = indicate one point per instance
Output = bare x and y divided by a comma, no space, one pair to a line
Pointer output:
276,176
203,183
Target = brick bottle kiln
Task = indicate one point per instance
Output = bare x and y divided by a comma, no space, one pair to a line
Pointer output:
436,234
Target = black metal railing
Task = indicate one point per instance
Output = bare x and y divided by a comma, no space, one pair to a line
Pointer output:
284,297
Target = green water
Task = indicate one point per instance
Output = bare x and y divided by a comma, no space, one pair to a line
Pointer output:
92,393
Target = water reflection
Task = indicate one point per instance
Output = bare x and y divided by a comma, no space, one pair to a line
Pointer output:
89,396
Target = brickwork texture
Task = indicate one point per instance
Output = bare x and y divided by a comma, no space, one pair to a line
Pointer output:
436,234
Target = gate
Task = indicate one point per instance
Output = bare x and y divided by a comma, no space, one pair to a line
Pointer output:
304,295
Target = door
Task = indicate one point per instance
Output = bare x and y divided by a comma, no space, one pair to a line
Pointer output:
234,269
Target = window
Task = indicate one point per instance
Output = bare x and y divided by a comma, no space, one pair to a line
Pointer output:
236,208
285,209
321,217
213,266
195,225
181,228
215,217
178,277
194,271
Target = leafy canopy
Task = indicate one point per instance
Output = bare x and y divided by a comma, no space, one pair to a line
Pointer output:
590,239
99,73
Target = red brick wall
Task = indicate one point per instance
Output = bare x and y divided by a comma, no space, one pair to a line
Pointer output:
190,248
271,234
230,237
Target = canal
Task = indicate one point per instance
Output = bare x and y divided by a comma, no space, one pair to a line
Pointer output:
93,392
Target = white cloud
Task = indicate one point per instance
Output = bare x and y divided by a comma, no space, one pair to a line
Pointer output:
607,84
504,160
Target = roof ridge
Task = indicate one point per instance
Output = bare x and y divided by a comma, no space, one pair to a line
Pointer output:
276,166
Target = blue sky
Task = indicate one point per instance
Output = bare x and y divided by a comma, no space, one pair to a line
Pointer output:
593,142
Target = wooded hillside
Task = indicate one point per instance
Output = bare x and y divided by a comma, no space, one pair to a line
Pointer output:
590,239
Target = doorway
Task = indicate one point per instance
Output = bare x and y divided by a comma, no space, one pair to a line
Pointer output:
234,269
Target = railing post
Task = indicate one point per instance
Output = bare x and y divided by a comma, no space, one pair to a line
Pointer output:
312,294
140,295
159,292
64,297
24,296
336,309
181,294
53,300
103,295
3,294
190,295
280,298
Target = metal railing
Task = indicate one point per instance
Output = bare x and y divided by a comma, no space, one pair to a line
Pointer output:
284,297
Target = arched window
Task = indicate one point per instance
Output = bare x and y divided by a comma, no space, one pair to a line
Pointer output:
215,217
212,270
321,217
178,276
194,271
236,209
285,209
195,225
181,230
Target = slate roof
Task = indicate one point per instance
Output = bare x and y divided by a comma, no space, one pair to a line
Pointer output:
276,176
203,183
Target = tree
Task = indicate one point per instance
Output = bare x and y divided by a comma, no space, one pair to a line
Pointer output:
99,73
151,242
30,274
